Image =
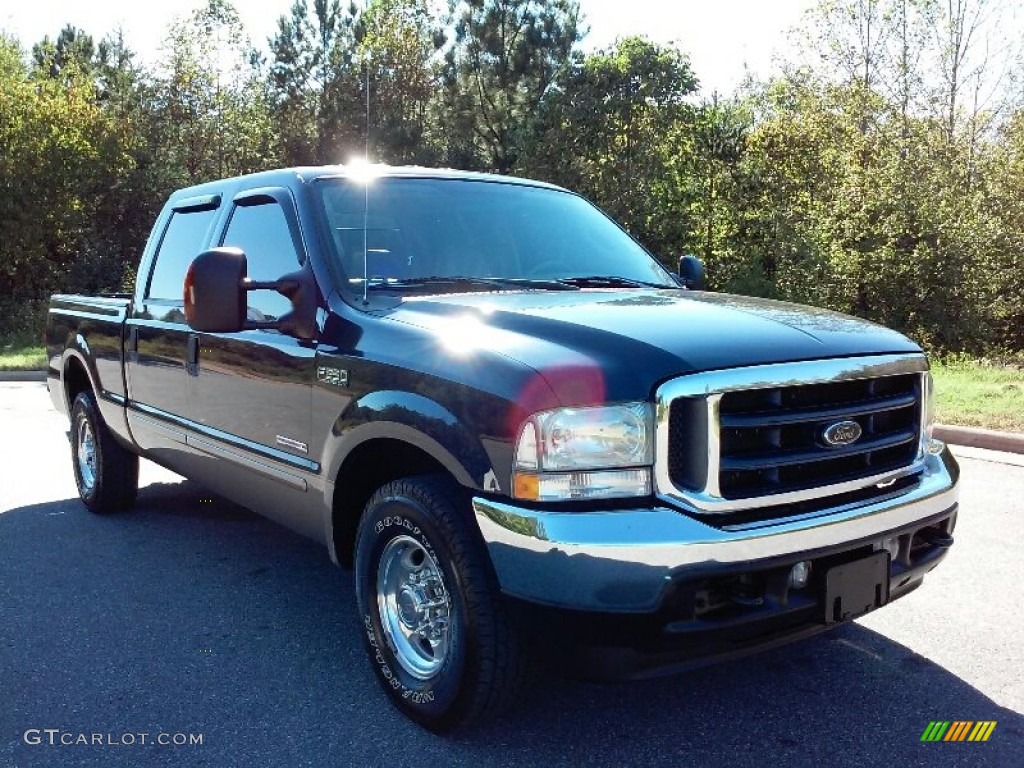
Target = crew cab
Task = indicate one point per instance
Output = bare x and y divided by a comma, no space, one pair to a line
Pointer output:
526,436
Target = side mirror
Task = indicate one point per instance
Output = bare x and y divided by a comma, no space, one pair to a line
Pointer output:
691,272
215,296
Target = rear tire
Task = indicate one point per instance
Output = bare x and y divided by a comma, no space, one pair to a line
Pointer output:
434,623
107,474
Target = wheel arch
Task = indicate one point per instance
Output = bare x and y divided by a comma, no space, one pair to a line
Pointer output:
388,434
374,461
76,377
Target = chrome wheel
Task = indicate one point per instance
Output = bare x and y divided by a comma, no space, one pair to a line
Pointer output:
414,606
86,455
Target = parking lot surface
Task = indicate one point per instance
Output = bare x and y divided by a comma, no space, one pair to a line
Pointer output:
191,616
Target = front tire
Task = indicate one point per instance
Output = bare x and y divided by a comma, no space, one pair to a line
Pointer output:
433,619
107,475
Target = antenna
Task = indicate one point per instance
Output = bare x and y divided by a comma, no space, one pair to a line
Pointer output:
366,252
366,194
366,150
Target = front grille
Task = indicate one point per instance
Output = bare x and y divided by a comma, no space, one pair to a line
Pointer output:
772,440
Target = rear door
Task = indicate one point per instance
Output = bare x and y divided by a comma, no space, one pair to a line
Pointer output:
157,337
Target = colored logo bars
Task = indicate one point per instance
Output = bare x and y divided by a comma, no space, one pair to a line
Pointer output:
958,730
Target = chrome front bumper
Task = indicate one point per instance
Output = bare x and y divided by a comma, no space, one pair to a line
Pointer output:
623,560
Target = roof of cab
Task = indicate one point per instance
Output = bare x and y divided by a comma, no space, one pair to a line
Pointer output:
310,173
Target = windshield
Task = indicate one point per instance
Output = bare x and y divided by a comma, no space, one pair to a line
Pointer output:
420,231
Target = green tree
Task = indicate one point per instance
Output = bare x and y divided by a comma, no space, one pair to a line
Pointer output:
1002,167
71,54
315,84
399,40
619,130
213,117
720,130
58,148
505,58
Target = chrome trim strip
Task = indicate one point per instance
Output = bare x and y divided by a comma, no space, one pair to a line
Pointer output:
241,446
213,449
113,397
785,520
157,425
88,314
713,384
117,302
622,560
711,488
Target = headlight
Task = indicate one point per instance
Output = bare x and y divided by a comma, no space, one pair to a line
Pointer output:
585,453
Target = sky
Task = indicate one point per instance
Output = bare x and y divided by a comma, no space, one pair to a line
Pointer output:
723,38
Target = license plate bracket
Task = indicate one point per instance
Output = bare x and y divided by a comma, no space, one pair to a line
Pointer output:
855,588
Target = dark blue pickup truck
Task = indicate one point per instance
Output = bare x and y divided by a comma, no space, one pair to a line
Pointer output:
527,437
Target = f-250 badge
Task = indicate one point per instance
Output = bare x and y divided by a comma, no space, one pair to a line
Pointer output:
336,377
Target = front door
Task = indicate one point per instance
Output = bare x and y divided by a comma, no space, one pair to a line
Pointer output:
253,389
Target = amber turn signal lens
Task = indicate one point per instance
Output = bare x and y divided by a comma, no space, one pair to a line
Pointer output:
526,486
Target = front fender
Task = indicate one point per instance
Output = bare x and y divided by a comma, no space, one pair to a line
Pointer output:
418,421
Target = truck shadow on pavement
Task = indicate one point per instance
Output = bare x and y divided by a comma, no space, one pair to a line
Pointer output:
193,614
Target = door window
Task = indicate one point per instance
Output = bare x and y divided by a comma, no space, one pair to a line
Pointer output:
262,232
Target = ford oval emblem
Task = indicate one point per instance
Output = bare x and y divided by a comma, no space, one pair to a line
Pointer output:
841,433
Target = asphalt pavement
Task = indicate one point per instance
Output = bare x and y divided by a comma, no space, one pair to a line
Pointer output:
191,617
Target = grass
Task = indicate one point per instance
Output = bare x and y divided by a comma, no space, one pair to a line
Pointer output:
20,356
970,393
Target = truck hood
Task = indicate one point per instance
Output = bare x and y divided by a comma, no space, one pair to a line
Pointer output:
626,342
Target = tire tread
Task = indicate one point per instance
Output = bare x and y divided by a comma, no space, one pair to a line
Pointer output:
117,478
503,668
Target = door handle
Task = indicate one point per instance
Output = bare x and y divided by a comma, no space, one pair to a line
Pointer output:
131,352
192,356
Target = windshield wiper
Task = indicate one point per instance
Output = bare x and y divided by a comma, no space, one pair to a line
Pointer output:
610,281
462,282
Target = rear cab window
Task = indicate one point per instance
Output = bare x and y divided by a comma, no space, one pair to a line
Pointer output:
183,239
